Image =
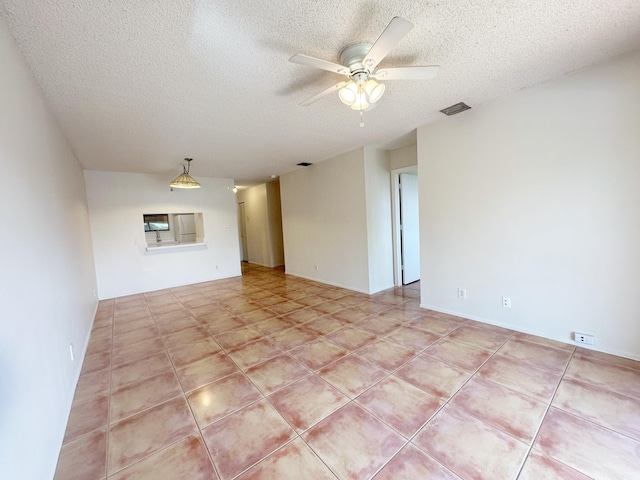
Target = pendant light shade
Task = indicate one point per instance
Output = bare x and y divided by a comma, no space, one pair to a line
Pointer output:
185,180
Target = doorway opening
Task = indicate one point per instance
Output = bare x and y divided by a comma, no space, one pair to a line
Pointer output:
260,225
406,226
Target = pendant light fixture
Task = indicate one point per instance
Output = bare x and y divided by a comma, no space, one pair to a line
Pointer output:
185,180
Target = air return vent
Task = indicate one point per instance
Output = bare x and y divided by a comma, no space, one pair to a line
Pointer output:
304,164
457,108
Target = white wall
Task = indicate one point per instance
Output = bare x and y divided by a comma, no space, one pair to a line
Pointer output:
48,280
117,202
379,224
403,157
537,197
337,214
324,220
274,213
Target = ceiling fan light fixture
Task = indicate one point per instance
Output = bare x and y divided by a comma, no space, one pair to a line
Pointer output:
184,180
374,90
348,94
361,101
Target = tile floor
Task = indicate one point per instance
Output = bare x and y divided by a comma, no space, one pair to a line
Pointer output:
268,376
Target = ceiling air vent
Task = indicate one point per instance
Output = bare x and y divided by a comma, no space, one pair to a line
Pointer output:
457,108
304,164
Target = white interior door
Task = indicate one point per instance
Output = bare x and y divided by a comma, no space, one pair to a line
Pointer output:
409,228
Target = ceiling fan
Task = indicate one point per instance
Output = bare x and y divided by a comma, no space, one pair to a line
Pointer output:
358,63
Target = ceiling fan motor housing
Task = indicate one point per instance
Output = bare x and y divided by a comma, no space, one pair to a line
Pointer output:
352,57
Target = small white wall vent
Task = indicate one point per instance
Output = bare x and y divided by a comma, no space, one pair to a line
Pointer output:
457,108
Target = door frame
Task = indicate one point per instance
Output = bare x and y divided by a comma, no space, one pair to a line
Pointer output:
395,220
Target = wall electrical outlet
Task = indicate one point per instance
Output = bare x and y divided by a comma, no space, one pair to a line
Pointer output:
506,302
583,338
462,293
316,267
71,352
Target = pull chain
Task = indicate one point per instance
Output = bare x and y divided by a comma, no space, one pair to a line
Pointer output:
362,118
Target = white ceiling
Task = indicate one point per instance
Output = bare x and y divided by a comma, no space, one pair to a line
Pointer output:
137,85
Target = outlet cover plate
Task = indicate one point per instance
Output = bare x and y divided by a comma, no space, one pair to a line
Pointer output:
583,338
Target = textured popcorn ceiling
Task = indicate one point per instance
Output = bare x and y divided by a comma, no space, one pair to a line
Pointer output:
139,84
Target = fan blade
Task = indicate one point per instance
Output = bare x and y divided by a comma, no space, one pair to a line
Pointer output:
406,73
396,30
318,63
329,90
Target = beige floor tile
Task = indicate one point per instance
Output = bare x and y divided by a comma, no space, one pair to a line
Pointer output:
622,380
353,443
93,385
206,370
521,377
293,338
276,373
273,325
136,336
139,396
544,341
291,462
356,414
433,376
148,432
600,406
588,448
185,337
488,339
413,338
352,375
541,467
218,399
124,326
302,316
245,437
324,325
433,324
547,358
385,354
469,447
307,401
377,325
83,458
509,411
235,338
222,325
350,315
137,351
351,338
411,463
186,459
317,354
253,353
399,404
607,359
190,352
140,370
86,416
461,355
